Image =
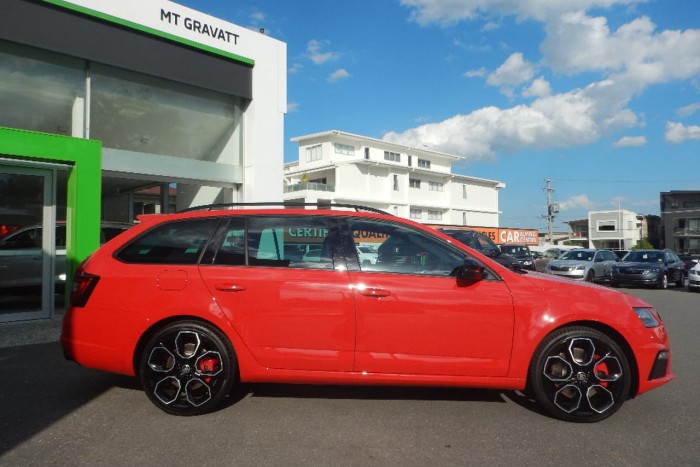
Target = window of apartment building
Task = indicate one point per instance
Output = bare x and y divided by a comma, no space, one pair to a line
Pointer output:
319,180
435,186
464,218
396,183
607,226
692,204
434,215
410,161
392,156
367,153
414,182
416,213
314,153
424,164
464,191
346,149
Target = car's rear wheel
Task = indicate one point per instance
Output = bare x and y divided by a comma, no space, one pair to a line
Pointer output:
187,368
579,374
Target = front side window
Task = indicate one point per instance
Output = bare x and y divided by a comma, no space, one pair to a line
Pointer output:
403,250
178,242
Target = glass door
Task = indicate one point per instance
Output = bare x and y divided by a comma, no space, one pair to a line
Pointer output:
27,250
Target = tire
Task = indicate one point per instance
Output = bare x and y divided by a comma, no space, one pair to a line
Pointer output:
663,282
188,368
579,374
680,282
590,275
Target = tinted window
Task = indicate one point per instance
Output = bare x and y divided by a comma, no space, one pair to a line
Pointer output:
170,243
299,242
403,250
578,255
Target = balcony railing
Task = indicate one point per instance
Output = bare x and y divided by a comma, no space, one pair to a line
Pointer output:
687,232
310,186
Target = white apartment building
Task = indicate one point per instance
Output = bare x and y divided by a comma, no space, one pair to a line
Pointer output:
618,229
416,183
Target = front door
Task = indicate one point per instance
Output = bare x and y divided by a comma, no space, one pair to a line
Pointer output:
27,250
415,317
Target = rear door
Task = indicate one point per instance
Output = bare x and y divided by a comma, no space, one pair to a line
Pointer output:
293,310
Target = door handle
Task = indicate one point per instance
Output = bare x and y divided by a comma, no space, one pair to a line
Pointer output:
375,292
229,287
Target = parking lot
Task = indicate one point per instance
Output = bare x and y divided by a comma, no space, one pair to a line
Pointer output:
53,412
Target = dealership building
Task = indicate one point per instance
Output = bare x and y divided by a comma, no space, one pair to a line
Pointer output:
105,103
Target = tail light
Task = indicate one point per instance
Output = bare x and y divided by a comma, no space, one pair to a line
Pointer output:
83,285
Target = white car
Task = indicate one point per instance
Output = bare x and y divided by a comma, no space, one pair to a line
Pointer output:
694,278
367,255
583,264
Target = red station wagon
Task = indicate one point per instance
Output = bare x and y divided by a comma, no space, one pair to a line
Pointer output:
195,302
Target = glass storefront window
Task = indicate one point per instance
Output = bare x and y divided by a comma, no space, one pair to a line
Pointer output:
41,91
138,113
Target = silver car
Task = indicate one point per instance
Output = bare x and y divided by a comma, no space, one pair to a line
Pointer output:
21,255
583,264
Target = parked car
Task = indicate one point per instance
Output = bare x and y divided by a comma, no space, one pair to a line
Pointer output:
366,254
620,253
21,255
583,264
547,256
648,267
694,278
521,253
170,302
688,262
483,245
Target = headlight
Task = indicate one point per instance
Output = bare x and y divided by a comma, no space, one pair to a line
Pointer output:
650,318
580,268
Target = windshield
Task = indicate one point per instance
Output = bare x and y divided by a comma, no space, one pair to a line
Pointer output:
517,251
644,257
578,255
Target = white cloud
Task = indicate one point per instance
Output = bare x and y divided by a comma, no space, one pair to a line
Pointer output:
688,110
450,12
513,72
480,73
627,59
295,68
292,106
338,74
316,55
570,119
539,88
677,132
630,141
576,202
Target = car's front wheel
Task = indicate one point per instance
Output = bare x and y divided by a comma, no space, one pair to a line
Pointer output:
579,374
663,282
187,368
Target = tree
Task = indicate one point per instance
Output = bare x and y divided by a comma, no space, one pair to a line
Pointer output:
643,244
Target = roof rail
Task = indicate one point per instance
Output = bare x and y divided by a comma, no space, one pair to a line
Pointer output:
356,207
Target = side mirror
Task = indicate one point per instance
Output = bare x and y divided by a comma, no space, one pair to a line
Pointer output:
470,271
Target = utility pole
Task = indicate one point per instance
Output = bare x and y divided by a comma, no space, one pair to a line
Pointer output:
551,209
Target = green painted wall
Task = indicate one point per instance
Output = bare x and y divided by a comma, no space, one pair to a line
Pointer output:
84,158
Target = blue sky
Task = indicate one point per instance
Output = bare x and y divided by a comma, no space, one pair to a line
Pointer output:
600,96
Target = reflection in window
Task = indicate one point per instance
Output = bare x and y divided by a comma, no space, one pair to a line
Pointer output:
404,251
134,112
41,91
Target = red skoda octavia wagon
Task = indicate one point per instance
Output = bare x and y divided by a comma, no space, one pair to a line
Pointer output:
195,302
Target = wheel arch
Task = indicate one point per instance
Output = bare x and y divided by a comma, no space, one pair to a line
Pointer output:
155,327
609,331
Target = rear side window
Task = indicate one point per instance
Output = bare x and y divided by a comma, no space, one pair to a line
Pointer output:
170,243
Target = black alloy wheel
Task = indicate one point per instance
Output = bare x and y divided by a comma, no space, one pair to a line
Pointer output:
188,368
579,374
